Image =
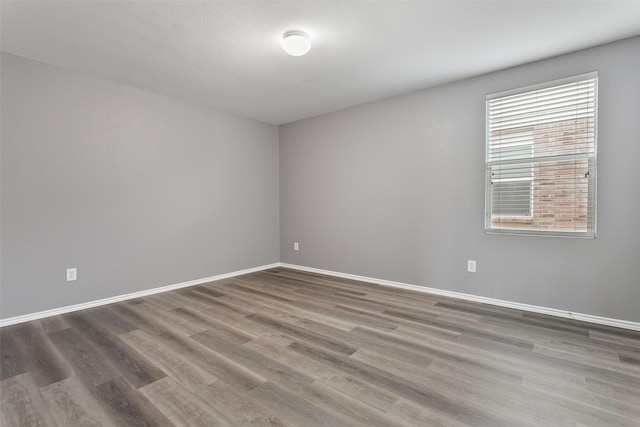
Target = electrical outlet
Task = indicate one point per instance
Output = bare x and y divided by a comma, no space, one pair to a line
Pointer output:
471,266
296,246
72,274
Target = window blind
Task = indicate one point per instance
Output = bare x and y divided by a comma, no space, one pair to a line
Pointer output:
541,159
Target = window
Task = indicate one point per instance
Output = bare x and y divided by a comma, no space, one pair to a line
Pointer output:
541,159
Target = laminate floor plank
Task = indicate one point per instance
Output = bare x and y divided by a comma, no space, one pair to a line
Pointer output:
281,353
392,365
407,413
189,298
233,318
613,389
557,363
367,393
439,321
625,340
575,326
142,320
425,332
293,409
349,387
71,404
219,366
393,299
396,297
606,362
247,410
372,319
186,325
289,280
130,363
329,285
211,290
402,387
298,332
22,404
349,300
558,325
307,281
481,310
51,324
184,408
110,320
417,352
261,305
325,313
293,291
263,366
219,304
289,312
306,309
539,335
500,401
545,407
342,405
580,394
87,362
127,406
183,371
360,316
517,355
285,347
37,354
264,292
229,331
354,338
164,301
11,363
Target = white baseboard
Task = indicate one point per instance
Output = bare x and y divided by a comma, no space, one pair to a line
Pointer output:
62,310
518,306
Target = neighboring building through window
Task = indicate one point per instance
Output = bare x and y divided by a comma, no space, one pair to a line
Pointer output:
541,159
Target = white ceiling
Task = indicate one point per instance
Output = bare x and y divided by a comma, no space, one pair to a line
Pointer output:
227,54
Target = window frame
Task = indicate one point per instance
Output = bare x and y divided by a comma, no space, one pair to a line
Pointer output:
523,224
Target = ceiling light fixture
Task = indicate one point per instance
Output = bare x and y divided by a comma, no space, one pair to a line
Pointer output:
296,43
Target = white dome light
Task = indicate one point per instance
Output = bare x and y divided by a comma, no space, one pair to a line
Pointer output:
296,43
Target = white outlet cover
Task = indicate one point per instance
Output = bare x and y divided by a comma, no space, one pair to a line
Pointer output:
72,274
471,266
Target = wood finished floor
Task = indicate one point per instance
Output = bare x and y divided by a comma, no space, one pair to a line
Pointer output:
284,347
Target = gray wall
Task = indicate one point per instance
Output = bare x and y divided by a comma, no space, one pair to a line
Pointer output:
395,190
138,190
135,189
